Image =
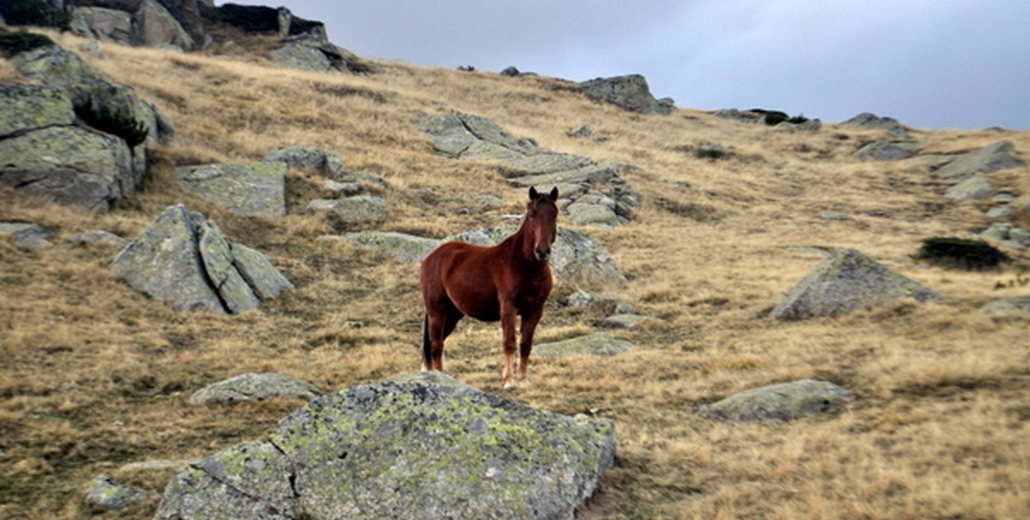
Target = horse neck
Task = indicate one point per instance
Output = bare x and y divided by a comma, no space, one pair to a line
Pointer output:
523,242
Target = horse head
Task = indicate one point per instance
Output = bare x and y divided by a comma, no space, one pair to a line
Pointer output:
542,221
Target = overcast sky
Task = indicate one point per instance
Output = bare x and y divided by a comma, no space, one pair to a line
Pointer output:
928,63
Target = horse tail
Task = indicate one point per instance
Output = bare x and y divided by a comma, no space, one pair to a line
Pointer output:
427,348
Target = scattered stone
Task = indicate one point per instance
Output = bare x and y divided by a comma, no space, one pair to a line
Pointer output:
597,344
30,237
257,188
624,321
255,387
585,132
988,159
782,402
811,251
845,282
417,446
630,92
885,151
405,248
998,212
834,215
184,259
511,72
489,202
105,494
361,210
343,188
306,157
97,237
152,465
1016,304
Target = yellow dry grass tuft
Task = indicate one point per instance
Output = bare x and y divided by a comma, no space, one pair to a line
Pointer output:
95,376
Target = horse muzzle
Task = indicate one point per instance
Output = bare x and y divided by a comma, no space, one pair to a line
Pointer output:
543,254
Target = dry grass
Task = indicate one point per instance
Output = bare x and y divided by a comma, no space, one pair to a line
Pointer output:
95,375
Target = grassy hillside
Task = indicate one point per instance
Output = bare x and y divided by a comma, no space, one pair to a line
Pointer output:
95,375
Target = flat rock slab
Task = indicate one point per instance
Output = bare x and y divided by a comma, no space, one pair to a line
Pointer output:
597,344
1016,304
845,282
988,159
421,446
405,248
255,387
782,402
257,188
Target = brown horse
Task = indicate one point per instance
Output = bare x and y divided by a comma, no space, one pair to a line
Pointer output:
490,284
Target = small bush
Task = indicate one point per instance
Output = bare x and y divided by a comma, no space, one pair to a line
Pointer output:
14,43
960,253
249,18
34,12
126,127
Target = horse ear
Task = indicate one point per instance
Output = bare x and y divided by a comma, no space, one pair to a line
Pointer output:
533,195
554,193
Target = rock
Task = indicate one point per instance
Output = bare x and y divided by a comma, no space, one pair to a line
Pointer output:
184,259
345,189
1016,304
315,54
998,231
31,237
597,344
624,321
103,24
405,248
998,212
489,202
154,26
105,494
845,282
976,187
988,159
835,215
354,211
782,402
97,237
255,387
887,124
885,151
306,157
630,92
415,446
511,72
29,108
257,188
575,256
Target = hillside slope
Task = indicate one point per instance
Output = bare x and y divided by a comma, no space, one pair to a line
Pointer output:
95,376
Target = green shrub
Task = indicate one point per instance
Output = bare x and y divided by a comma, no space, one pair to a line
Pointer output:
124,126
14,43
34,12
249,18
960,253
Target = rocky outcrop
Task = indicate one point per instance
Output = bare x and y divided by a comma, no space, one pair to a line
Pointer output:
255,387
630,92
186,260
79,138
404,248
887,124
27,236
353,212
308,158
418,446
845,282
591,194
782,402
885,151
104,494
257,188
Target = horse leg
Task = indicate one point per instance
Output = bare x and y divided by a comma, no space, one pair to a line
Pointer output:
528,328
508,313
440,325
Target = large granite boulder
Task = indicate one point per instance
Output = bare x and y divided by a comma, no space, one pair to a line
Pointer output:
102,24
414,446
186,260
988,159
845,282
781,402
154,26
630,92
257,188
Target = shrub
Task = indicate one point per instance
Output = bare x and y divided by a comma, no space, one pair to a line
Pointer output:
124,126
960,253
14,43
34,12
